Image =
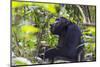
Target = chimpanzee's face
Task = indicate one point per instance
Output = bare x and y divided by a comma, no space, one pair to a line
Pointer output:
59,25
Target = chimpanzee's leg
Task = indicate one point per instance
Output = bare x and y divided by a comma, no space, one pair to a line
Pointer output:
60,52
51,54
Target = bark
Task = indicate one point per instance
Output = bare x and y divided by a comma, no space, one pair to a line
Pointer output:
82,13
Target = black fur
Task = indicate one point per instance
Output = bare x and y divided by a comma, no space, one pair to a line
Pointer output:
69,38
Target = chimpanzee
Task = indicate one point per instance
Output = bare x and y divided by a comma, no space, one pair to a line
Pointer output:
69,39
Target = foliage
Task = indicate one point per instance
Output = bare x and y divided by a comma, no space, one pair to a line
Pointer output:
31,22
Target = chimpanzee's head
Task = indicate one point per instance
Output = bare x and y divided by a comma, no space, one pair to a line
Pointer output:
59,26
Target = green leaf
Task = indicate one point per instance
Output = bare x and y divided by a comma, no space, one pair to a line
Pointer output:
20,63
49,7
17,4
29,29
20,4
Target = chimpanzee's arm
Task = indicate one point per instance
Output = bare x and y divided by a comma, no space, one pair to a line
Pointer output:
73,36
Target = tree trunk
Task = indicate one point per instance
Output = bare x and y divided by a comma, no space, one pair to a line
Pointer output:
82,12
